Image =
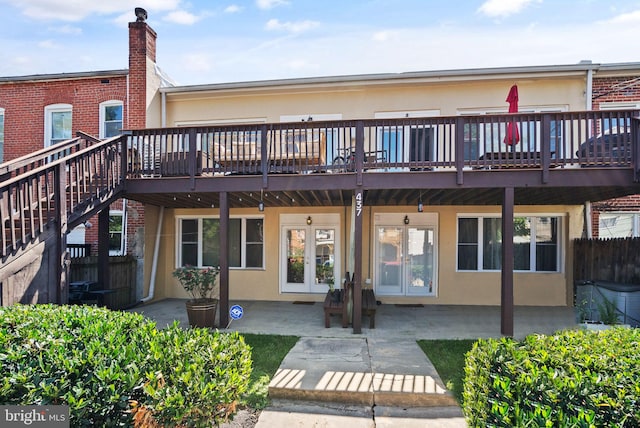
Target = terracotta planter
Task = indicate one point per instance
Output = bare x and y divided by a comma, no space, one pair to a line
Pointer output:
202,314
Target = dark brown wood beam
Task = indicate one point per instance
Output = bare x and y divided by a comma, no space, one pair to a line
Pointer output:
506,295
224,259
357,267
103,249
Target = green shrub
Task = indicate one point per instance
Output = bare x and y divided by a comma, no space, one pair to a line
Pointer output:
573,378
104,364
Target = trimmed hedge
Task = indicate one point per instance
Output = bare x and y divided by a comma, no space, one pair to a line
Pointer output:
571,379
117,368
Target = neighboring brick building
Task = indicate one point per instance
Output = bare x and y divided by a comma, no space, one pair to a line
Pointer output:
40,110
613,91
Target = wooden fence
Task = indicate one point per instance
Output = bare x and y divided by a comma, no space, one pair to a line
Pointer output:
122,272
615,260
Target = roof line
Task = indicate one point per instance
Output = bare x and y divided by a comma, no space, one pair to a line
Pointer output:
581,67
62,76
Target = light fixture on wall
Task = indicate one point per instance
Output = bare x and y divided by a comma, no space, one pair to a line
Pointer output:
420,204
406,219
309,221
261,203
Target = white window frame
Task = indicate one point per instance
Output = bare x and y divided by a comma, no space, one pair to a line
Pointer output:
48,111
635,223
619,105
405,133
213,122
122,215
482,144
532,254
103,115
2,135
200,218
310,117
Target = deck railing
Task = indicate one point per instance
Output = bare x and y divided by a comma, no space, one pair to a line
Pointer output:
545,140
68,185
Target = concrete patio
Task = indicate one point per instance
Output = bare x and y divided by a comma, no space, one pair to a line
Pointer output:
400,322
379,378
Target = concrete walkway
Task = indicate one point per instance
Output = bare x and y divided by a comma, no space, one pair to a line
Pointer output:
359,381
380,378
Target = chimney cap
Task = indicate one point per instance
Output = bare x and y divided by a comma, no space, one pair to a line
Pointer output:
141,14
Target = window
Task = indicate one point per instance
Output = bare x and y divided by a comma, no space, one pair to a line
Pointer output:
536,243
110,118
483,136
1,135
116,233
411,142
198,242
619,225
57,123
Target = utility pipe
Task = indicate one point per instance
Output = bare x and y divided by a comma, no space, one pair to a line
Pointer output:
154,265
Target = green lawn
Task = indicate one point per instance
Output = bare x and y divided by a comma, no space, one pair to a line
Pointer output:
267,352
448,358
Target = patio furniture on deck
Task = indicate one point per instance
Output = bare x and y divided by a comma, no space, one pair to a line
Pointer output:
86,293
507,159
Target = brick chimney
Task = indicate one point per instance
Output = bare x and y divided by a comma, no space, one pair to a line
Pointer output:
142,59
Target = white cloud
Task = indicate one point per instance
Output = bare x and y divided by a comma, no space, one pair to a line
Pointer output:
270,4
292,27
383,36
234,8
503,8
76,10
626,18
47,44
66,29
197,62
181,17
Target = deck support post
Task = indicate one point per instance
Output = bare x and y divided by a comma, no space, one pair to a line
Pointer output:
104,279
62,271
357,262
224,260
506,295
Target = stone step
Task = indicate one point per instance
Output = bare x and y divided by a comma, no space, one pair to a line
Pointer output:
354,371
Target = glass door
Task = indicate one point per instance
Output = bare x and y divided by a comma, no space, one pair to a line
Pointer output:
389,255
419,261
405,260
309,257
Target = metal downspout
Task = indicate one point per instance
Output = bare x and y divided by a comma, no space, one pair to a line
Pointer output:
589,105
588,222
154,265
163,113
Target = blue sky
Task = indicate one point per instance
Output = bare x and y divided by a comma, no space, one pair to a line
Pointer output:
213,41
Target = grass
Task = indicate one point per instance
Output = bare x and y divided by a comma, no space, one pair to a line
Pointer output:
448,358
267,352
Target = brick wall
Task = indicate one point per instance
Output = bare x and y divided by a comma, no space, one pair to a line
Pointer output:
142,48
612,89
627,204
24,104
608,90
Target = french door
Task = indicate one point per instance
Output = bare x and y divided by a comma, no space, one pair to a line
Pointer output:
309,252
405,259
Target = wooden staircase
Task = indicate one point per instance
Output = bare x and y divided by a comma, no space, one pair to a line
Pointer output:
42,196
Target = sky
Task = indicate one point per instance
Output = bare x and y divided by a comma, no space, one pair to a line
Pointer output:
220,41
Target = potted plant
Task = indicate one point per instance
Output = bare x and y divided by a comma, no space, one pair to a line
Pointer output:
335,294
202,286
